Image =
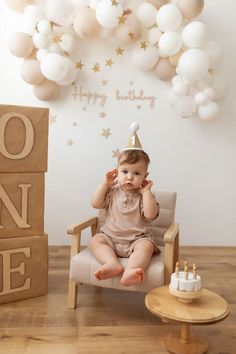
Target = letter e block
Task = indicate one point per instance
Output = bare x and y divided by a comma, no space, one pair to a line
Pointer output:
23,139
21,204
23,268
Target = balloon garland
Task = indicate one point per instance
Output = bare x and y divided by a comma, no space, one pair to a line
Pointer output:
168,41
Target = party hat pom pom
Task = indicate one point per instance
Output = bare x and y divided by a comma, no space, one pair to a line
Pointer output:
134,127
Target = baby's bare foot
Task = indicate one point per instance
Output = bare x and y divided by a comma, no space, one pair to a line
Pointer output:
109,270
132,276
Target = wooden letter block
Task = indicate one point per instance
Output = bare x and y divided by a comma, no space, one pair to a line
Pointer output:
23,139
23,267
21,204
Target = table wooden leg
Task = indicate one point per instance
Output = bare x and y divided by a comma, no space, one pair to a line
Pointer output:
185,343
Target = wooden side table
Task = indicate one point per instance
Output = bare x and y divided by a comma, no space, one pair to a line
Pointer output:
209,308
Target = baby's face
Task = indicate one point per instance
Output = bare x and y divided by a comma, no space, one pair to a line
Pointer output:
131,176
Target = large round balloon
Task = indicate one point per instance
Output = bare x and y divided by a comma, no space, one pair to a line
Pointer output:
193,65
108,14
146,13
31,73
193,35
164,69
85,23
169,18
54,66
21,44
145,59
170,43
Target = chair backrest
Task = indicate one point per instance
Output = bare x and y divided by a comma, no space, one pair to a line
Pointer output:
167,202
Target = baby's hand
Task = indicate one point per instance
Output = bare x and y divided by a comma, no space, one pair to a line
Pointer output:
110,178
146,186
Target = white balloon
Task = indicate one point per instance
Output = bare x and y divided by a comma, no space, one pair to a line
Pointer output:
201,98
219,86
168,17
170,43
180,89
153,35
107,14
67,43
214,52
176,79
32,12
209,92
54,66
193,35
29,27
146,13
145,59
193,65
208,111
40,40
44,26
71,74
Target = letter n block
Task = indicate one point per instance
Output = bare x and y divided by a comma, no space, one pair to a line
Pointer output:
23,267
21,204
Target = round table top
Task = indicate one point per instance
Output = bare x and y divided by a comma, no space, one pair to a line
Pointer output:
208,308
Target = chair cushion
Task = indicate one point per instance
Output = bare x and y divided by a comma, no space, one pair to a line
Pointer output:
84,265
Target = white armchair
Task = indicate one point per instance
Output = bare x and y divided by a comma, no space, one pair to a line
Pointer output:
164,230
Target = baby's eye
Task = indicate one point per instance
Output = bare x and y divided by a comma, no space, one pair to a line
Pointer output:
137,173
125,171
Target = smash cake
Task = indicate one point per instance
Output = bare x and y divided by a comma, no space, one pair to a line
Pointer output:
185,285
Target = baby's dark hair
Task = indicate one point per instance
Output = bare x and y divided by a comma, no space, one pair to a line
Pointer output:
133,156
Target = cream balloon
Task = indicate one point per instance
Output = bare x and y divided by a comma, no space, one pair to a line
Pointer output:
145,59
44,26
46,90
164,70
108,14
19,5
193,65
146,13
168,18
85,23
190,8
31,73
194,34
20,44
40,40
174,59
170,43
67,43
208,111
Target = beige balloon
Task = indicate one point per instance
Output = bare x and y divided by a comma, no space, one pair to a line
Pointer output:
21,44
85,23
31,73
46,90
158,3
130,31
190,8
164,69
173,59
20,5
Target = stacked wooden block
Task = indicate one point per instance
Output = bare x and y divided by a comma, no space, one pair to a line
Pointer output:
23,163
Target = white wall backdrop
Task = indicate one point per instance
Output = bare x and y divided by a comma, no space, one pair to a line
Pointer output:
195,158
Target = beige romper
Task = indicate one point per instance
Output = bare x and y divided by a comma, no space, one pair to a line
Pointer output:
125,224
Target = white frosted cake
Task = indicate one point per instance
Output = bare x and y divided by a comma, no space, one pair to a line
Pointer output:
185,285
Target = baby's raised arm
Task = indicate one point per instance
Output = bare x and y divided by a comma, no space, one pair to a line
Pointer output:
98,199
150,206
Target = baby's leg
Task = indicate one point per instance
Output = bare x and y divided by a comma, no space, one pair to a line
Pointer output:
106,256
137,263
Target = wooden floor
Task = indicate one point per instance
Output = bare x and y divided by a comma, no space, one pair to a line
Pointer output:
109,321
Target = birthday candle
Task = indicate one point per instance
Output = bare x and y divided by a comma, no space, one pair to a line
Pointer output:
177,269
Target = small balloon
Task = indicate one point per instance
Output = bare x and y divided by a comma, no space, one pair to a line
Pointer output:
190,8
46,90
208,111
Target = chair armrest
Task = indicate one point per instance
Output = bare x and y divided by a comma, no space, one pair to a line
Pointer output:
171,239
171,233
76,229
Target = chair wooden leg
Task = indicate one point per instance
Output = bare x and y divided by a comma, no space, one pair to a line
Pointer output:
72,295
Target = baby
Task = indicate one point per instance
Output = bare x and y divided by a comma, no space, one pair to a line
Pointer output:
126,195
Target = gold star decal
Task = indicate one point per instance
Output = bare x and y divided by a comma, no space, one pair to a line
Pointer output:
114,3
57,38
104,82
127,12
102,115
106,132
116,153
119,51
143,45
96,68
131,35
109,62
70,142
79,65
52,118
122,19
